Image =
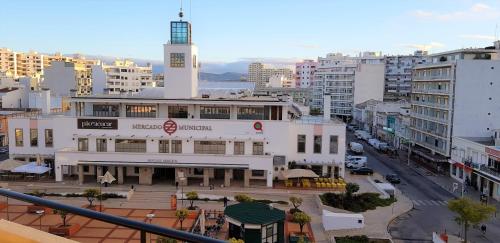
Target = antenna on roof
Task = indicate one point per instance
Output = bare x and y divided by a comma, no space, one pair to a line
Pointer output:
181,14
496,32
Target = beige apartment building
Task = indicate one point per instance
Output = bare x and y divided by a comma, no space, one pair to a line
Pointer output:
8,61
260,74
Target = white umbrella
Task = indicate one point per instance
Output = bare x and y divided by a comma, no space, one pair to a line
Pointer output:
10,164
107,178
300,173
202,222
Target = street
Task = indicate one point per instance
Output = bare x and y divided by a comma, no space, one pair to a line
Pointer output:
430,211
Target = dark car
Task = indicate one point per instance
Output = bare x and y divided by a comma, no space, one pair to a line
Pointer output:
392,178
362,171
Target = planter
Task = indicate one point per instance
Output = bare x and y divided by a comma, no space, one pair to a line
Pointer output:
34,208
3,205
68,230
192,214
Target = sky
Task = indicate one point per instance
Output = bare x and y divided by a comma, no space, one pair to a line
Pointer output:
234,30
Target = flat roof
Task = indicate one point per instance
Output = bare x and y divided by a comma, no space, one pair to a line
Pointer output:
487,141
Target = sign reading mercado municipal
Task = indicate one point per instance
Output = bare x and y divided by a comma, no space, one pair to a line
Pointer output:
171,127
109,124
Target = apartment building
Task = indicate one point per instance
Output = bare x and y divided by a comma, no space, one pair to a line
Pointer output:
29,64
475,162
123,76
68,78
171,134
304,73
454,95
260,74
398,74
348,81
8,61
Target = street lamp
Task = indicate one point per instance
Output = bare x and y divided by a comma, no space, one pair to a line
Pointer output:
150,217
7,209
40,214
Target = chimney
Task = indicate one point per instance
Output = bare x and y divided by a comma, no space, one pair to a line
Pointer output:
327,105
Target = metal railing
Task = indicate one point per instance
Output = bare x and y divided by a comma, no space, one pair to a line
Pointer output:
133,224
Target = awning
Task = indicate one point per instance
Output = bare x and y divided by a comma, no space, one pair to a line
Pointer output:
10,164
31,168
300,173
433,158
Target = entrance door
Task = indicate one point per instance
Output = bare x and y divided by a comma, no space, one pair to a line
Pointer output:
490,188
219,174
473,180
238,174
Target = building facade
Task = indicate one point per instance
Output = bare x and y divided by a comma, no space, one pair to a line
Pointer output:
260,74
304,73
453,96
398,74
158,135
123,76
65,78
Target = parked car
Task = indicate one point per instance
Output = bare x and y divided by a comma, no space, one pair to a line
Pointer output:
373,141
356,148
362,171
393,178
381,146
355,162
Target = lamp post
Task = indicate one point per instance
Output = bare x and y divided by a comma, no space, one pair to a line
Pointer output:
40,214
7,209
99,180
150,217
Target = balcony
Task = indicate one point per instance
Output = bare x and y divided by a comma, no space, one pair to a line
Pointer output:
429,118
490,171
430,104
431,91
432,78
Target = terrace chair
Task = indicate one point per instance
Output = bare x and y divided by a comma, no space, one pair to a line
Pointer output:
323,185
288,183
318,185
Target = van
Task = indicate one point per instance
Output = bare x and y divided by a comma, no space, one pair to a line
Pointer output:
356,148
355,162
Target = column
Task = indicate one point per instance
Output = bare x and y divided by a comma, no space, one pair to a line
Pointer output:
269,178
246,178
99,171
145,176
206,177
59,173
120,174
227,177
80,174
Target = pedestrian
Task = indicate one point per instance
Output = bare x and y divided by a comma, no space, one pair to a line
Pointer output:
225,201
131,187
483,229
176,185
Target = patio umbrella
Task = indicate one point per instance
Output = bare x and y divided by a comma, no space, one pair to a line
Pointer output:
300,173
10,164
107,178
31,168
38,160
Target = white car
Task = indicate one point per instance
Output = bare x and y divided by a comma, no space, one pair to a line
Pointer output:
373,142
355,162
356,147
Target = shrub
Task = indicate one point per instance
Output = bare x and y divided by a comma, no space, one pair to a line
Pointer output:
302,219
63,215
352,239
296,202
356,203
91,194
243,198
181,215
191,196
234,240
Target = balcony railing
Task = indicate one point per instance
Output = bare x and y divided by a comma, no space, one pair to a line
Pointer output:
431,104
435,77
431,91
429,118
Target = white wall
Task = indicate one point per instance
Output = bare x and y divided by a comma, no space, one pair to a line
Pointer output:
98,79
15,98
181,83
60,78
369,82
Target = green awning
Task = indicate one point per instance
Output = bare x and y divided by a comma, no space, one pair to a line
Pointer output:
254,213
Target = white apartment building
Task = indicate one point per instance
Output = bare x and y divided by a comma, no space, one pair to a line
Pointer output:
172,134
398,74
348,81
66,78
260,74
304,73
123,76
8,62
454,95
475,162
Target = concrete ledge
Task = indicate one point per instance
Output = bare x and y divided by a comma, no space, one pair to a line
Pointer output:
384,194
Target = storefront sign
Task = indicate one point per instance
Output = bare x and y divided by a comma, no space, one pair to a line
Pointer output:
171,127
108,124
168,161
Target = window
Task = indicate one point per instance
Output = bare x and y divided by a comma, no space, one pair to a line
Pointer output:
176,146
258,148
49,138
250,113
19,137
334,144
140,110
177,60
270,233
180,32
101,145
214,112
106,110
177,112
136,170
259,173
130,145
239,148
209,147
301,143
83,144
34,137
164,146
317,144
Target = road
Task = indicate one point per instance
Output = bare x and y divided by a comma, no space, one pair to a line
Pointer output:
430,211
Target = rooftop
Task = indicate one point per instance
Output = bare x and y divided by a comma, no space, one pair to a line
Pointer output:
486,141
254,213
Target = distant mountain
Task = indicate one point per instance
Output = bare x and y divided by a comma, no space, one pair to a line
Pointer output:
227,76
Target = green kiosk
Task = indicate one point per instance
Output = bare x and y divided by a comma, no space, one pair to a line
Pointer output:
256,222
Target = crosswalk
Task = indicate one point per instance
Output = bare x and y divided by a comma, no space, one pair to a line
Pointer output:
429,203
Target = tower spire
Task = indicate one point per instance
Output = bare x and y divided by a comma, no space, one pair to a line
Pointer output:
181,14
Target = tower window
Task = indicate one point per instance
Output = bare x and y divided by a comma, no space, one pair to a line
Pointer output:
177,60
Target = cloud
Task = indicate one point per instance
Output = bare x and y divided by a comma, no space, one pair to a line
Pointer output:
424,47
478,11
478,37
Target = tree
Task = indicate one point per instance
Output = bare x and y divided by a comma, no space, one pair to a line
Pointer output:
234,240
243,198
91,194
302,219
191,196
63,215
350,189
469,212
296,202
181,215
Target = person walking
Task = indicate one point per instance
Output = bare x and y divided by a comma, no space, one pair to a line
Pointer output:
225,201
